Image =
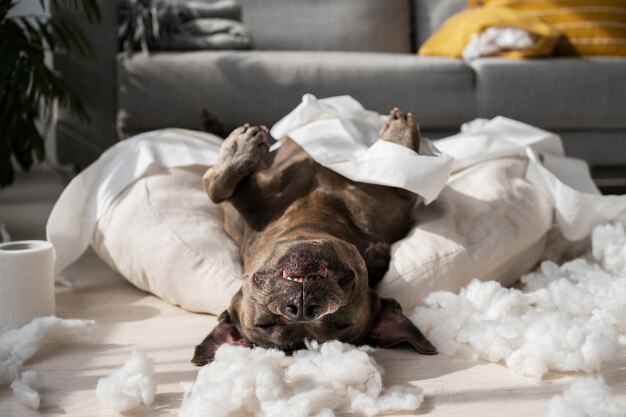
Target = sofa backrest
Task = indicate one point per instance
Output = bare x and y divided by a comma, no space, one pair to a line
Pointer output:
430,14
340,25
353,25
345,25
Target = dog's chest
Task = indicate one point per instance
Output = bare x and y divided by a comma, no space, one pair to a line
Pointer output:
293,184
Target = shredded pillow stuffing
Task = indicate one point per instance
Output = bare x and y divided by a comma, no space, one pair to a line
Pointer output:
317,381
130,386
19,345
566,318
24,389
587,397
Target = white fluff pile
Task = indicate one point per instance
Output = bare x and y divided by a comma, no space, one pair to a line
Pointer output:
19,345
130,386
493,40
314,382
587,397
24,389
566,318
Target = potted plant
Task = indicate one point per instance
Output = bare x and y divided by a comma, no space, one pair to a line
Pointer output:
29,88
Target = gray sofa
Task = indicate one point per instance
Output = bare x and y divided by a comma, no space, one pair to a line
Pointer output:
365,48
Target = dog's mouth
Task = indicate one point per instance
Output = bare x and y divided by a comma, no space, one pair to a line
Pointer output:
341,277
297,276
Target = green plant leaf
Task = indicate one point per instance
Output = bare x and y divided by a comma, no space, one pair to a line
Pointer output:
77,37
44,29
19,141
27,85
58,31
89,8
5,6
6,167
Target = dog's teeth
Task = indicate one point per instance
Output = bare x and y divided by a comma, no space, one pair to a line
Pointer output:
285,274
289,278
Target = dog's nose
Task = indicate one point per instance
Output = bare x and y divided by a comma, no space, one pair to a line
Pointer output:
298,311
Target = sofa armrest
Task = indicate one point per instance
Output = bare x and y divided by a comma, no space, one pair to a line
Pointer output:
94,81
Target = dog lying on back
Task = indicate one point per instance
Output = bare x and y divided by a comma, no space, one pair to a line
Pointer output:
314,245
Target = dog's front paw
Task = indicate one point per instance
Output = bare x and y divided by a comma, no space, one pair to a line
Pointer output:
245,147
402,129
240,153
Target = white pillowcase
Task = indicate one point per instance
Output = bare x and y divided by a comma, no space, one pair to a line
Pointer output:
488,223
166,237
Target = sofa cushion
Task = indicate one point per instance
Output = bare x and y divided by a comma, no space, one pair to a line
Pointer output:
170,89
430,15
600,147
587,31
557,93
329,25
459,36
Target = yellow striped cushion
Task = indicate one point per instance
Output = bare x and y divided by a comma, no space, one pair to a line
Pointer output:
590,27
457,32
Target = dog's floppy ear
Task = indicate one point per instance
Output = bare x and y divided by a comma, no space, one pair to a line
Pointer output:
224,332
392,327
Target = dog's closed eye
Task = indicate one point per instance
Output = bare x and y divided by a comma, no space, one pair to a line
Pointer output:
265,326
342,325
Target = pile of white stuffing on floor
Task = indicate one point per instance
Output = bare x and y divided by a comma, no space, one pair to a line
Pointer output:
566,318
586,397
316,382
19,345
130,386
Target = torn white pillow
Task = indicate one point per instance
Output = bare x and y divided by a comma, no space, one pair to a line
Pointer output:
339,134
578,205
567,318
90,194
130,386
166,237
166,253
315,382
488,223
586,397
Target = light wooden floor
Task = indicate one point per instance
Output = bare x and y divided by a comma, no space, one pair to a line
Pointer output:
130,319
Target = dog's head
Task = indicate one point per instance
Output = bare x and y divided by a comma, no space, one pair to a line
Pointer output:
315,288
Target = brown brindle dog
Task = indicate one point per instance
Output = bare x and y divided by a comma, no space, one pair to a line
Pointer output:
314,245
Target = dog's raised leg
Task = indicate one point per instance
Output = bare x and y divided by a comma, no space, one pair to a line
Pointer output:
403,129
240,153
